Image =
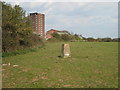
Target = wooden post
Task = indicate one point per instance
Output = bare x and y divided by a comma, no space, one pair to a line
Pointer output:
65,51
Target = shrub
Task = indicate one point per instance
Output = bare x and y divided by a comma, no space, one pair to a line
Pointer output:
66,37
17,30
56,35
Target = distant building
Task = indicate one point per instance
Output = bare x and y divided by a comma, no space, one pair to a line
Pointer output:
38,21
50,32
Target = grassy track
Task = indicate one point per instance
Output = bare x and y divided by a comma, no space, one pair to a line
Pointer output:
93,64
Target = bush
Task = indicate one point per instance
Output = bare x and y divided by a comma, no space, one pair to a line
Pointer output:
17,30
19,52
66,37
55,39
56,35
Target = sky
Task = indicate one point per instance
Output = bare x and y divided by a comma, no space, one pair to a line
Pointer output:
88,18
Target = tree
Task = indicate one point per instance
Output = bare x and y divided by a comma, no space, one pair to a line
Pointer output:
56,35
91,39
17,30
65,31
106,39
77,37
66,37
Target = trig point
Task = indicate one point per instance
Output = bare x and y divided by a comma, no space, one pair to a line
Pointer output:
65,52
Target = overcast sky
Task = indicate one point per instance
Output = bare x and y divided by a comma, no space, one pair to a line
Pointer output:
91,19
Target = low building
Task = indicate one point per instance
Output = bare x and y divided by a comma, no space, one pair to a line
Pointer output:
50,32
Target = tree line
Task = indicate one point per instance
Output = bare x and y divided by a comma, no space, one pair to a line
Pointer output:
107,39
64,37
17,30
76,37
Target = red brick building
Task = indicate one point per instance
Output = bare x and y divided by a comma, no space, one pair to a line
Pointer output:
49,33
38,21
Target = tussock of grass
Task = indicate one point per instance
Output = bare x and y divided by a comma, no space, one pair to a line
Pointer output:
20,52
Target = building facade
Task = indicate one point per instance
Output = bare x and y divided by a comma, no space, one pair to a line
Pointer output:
50,32
38,21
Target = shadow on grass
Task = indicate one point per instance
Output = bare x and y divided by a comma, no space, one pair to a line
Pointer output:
60,56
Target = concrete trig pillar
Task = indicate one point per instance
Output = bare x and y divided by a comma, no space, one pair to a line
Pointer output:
65,51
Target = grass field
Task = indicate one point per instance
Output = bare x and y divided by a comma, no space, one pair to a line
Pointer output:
91,65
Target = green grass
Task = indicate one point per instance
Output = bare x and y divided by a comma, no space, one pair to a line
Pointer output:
91,65
20,52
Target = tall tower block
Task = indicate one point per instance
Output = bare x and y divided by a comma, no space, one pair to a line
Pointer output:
38,22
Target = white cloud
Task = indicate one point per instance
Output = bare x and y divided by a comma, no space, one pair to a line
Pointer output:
47,11
78,20
101,5
34,4
48,7
48,4
68,6
88,18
